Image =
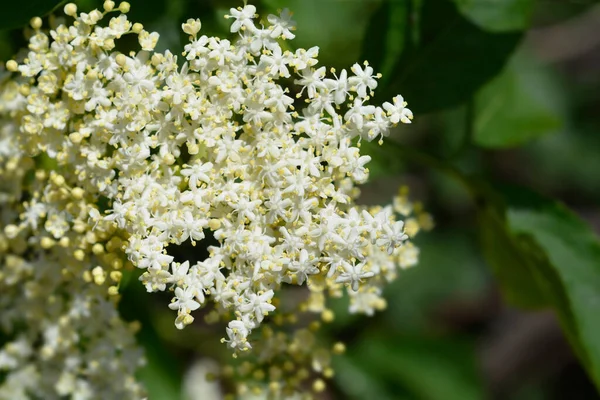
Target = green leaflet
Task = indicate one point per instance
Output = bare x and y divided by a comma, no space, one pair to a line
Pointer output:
451,59
497,16
522,103
573,253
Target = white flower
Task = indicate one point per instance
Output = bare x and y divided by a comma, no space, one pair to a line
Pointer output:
392,236
179,272
397,111
364,79
191,26
353,274
148,40
238,334
258,304
243,17
303,267
197,173
282,25
184,300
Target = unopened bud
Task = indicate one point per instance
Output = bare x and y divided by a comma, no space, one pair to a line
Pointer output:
36,22
12,65
70,9
109,5
124,7
121,59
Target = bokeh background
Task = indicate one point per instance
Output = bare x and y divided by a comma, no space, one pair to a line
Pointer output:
505,93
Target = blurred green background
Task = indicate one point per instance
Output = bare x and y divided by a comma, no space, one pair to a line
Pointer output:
506,97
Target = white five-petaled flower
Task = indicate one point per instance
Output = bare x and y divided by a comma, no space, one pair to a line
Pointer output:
352,274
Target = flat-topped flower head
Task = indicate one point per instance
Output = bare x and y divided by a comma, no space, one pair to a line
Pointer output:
240,139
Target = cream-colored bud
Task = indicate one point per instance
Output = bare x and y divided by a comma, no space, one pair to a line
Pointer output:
95,15
339,348
113,291
91,237
92,74
98,275
327,316
79,255
64,242
137,27
214,224
193,148
121,59
12,165
11,231
124,7
98,249
77,193
70,9
75,137
47,242
108,5
319,385
12,65
58,180
79,226
169,159
40,174
116,276
36,22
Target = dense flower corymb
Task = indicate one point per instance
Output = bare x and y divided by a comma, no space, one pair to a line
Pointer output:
242,140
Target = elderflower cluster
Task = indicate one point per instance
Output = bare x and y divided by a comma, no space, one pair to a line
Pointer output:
61,334
244,142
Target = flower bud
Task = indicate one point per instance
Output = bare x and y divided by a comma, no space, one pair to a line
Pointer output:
124,7
71,9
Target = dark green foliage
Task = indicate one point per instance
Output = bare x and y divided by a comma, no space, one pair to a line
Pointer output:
16,14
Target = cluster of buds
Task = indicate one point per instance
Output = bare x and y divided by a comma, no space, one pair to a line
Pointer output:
244,141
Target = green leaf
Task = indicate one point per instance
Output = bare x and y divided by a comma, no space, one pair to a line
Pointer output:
385,37
498,16
18,13
453,58
428,369
521,104
573,253
513,267
544,254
